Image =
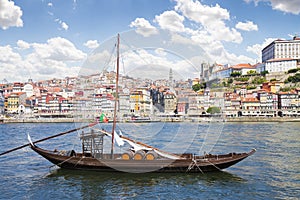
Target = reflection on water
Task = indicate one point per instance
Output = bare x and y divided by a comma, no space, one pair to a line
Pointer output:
272,172
120,185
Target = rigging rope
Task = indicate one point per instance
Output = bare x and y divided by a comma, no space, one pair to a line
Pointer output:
106,64
214,165
135,51
192,165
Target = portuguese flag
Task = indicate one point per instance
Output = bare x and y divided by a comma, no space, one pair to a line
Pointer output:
103,118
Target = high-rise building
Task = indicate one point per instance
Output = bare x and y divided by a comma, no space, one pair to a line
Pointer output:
282,49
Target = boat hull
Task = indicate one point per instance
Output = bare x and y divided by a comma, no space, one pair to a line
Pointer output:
193,164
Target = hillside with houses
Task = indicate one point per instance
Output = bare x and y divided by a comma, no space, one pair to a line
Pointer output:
269,89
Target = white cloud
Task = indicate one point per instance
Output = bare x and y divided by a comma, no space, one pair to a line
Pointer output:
10,15
63,25
288,6
257,48
143,27
170,20
92,44
13,67
23,45
212,18
146,63
160,52
246,26
59,49
7,55
233,59
56,58
200,26
204,14
176,38
50,4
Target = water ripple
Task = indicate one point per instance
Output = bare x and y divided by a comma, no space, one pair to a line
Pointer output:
271,173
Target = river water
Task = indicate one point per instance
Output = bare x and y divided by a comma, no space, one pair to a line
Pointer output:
273,172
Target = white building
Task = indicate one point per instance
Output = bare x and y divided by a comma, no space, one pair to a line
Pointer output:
282,49
28,89
280,65
124,104
67,93
224,73
243,68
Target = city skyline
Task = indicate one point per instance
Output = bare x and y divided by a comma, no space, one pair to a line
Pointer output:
52,39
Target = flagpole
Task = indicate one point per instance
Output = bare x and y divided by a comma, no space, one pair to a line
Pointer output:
116,100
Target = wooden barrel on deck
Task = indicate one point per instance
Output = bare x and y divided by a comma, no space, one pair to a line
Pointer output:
127,155
139,155
151,156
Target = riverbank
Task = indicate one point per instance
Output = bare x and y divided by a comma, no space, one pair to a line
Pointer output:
42,120
193,120
264,119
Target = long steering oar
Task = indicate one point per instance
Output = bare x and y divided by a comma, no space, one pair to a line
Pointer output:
47,138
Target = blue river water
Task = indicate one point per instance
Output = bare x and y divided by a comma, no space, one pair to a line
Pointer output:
273,172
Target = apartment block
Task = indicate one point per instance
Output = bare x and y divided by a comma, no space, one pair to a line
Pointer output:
282,49
13,101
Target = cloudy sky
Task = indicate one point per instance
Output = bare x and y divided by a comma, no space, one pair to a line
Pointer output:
43,39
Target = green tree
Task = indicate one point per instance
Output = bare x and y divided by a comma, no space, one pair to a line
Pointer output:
297,78
213,110
251,72
286,89
244,79
263,73
230,81
199,86
292,70
196,87
235,74
250,87
293,79
259,80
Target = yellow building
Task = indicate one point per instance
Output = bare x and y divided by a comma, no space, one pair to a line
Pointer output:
135,101
275,86
140,101
13,101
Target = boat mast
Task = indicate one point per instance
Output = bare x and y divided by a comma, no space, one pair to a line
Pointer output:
116,99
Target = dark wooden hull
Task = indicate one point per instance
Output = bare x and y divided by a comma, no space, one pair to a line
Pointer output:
189,164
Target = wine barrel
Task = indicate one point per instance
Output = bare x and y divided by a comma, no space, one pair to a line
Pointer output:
139,155
151,156
127,155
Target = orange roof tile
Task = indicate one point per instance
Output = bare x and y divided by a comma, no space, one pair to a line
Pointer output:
250,99
242,66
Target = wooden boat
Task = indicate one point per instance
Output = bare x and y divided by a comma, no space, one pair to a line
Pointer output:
139,158
139,161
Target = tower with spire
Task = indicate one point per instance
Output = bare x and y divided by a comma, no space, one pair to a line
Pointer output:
171,77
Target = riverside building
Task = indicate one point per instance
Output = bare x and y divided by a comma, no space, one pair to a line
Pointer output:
279,49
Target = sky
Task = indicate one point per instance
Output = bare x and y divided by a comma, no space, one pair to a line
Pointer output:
45,39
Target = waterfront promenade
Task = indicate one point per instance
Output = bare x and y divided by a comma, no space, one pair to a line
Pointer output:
169,119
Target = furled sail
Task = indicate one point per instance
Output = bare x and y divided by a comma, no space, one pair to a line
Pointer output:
136,146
